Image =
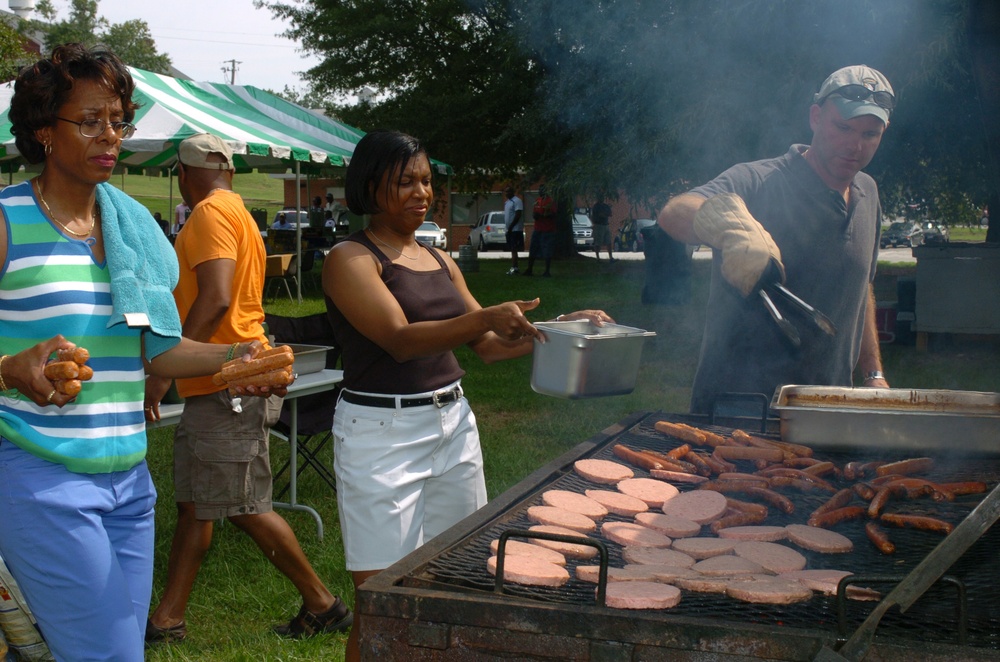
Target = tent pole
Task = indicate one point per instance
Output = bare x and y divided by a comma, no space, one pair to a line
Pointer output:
298,229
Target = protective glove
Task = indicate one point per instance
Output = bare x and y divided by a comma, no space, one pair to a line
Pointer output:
724,223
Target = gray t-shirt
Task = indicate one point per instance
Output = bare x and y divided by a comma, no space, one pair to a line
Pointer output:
830,252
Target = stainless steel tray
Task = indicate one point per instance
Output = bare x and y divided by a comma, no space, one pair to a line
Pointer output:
581,360
927,420
309,358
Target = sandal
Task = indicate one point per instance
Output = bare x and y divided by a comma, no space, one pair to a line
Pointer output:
338,618
157,635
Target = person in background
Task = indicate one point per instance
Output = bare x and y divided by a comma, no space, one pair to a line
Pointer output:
600,216
407,456
181,212
809,218
513,218
543,236
84,266
162,223
281,223
221,462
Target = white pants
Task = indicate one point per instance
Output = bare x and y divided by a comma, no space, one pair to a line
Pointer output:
404,475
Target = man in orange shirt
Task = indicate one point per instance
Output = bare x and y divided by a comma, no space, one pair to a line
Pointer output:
221,463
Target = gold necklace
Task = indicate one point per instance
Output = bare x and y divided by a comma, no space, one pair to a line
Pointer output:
93,218
401,253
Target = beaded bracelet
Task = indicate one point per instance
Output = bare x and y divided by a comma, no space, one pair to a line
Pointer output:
232,351
3,384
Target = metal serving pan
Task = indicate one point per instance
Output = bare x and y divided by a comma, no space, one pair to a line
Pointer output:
876,418
309,358
581,360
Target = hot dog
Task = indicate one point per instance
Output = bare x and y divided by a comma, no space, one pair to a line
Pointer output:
836,516
918,522
801,484
864,490
746,507
679,452
283,350
881,497
779,501
820,469
278,377
669,463
56,370
257,366
77,355
736,519
721,462
682,432
838,500
70,387
879,538
917,465
86,373
796,450
749,453
701,466
754,479
968,487
638,459
677,476
790,472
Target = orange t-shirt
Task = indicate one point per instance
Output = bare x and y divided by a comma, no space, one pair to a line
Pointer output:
220,227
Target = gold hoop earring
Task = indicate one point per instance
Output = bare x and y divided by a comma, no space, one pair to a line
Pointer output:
48,149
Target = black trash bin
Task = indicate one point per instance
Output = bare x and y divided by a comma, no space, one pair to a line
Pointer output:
668,268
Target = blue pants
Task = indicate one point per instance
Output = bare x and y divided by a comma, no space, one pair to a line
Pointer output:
80,546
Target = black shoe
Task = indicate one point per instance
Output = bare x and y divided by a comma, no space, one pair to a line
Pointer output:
528,273
337,618
546,275
157,635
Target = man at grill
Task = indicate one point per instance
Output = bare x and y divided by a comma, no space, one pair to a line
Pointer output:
810,219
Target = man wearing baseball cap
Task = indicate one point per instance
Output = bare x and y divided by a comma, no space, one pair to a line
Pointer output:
810,219
221,463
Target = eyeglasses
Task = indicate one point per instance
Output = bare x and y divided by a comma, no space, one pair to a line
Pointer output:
860,93
94,128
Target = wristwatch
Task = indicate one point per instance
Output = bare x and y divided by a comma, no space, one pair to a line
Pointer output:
873,375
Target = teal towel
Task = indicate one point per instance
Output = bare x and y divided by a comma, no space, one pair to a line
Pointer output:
143,268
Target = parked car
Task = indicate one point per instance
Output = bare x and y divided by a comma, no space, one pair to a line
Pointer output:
430,233
490,231
630,236
935,232
583,231
902,233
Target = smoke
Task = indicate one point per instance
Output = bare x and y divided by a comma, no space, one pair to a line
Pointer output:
677,91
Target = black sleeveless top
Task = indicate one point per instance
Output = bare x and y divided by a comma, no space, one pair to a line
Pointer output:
423,296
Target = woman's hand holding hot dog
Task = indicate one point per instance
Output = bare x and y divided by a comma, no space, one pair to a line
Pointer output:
25,371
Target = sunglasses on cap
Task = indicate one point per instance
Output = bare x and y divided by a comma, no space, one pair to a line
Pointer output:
881,98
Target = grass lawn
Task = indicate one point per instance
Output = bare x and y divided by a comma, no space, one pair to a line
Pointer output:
157,193
239,595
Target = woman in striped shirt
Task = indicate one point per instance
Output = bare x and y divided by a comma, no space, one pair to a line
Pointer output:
82,264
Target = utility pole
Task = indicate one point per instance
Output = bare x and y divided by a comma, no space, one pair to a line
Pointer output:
231,70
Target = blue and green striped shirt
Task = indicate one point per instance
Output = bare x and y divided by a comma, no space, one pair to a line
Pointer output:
52,284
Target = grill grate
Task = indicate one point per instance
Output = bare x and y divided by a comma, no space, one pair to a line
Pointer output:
933,618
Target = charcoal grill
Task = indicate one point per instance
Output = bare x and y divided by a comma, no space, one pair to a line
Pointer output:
440,602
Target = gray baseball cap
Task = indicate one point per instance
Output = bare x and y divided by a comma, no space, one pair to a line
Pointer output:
858,90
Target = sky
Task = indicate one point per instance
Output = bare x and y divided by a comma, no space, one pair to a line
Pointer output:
203,36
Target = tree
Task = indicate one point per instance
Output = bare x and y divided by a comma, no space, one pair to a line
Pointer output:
12,53
131,40
648,97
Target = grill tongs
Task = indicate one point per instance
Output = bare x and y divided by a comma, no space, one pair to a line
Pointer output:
815,316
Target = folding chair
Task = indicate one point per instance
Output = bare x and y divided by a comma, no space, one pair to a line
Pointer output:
315,412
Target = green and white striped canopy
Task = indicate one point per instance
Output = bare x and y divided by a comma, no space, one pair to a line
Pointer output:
264,131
